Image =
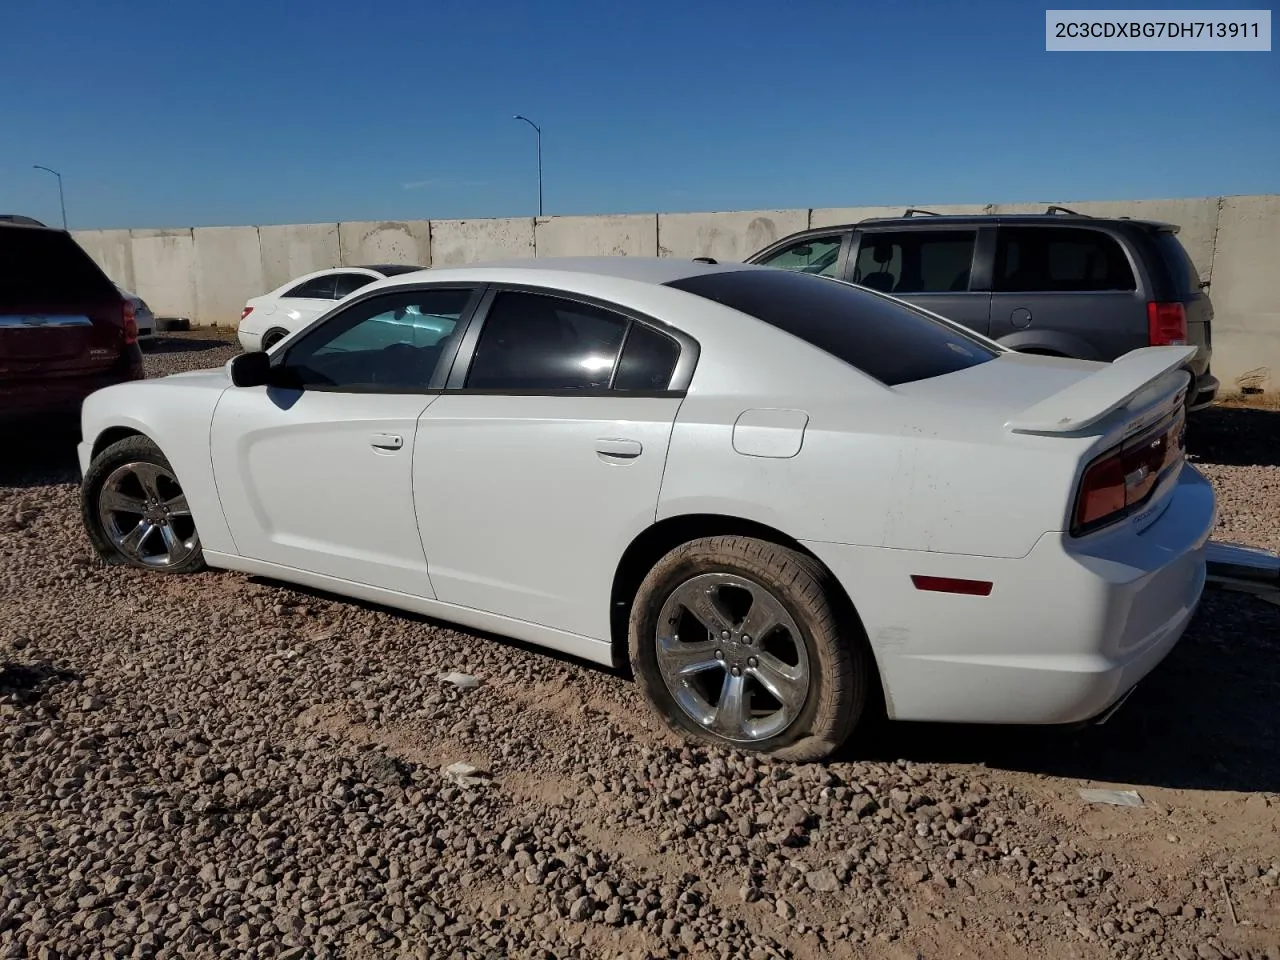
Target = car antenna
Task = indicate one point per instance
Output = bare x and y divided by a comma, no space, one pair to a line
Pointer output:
1057,209
912,211
704,259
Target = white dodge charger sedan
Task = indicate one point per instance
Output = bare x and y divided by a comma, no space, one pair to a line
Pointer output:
778,497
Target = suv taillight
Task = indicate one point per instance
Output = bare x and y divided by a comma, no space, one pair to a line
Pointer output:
245,312
1166,324
1122,479
129,324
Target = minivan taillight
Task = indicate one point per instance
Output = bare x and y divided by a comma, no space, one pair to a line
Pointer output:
129,324
1123,478
1166,324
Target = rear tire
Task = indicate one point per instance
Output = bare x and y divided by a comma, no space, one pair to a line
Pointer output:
272,337
795,690
135,512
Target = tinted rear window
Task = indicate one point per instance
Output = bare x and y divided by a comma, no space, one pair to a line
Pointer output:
1183,273
886,340
38,265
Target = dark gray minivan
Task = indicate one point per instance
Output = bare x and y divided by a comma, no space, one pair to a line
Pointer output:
1057,283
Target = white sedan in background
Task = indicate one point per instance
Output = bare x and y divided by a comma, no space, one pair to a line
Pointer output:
268,319
771,493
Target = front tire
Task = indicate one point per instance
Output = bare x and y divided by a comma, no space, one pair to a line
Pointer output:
737,642
135,512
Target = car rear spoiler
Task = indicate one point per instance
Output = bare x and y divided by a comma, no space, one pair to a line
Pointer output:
1087,401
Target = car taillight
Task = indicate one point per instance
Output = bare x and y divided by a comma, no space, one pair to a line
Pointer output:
1166,324
245,312
1123,478
129,324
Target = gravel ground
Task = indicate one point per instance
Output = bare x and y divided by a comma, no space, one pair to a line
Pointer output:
225,767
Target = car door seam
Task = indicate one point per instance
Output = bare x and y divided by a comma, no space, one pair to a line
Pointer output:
666,457
213,470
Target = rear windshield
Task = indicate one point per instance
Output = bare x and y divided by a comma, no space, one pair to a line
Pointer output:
884,339
38,265
1183,273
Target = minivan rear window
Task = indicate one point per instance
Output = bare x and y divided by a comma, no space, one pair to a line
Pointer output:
48,265
883,338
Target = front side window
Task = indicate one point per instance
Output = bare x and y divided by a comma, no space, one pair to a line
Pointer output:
916,261
1059,260
883,338
317,288
820,255
393,342
537,342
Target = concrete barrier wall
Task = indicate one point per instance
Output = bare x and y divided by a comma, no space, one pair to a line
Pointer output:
207,273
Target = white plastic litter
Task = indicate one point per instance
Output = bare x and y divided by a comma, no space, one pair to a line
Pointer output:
463,681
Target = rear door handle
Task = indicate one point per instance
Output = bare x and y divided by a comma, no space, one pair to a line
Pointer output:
387,441
618,449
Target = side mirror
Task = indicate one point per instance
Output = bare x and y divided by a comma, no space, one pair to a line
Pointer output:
251,369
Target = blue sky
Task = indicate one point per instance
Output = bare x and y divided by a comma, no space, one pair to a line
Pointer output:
276,111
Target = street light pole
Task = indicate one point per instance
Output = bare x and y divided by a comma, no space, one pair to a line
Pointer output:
538,130
61,202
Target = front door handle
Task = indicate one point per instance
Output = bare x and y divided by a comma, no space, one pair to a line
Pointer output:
387,441
618,449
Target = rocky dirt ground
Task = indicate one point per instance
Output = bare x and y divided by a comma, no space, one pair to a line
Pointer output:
221,767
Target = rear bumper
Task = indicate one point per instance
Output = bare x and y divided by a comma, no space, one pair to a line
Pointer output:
53,396
1065,633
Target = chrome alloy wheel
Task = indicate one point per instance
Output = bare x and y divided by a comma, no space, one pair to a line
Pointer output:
144,512
732,657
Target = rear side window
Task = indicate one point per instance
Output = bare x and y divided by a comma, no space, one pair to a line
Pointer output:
533,342
47,265
1059,260
320,288
648,360
916,261
1182,271
349,283
886,340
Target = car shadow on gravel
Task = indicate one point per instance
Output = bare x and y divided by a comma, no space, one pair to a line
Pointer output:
40,452
1235,436
163,344
1208,718
412,617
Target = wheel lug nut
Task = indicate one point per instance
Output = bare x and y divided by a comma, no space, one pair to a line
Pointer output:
736,671
719,654
724,634
751,661
746,639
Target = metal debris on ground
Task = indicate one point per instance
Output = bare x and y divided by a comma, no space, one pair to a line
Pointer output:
1119,798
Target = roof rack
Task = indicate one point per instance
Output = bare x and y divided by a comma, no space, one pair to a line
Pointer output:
911,211
1057,209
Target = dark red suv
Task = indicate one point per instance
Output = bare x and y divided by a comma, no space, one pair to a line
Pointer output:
65,330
